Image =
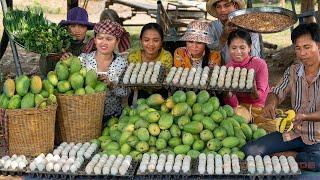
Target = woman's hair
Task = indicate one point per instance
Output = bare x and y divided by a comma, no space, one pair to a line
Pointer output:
110,14
154,26
243,34
205,60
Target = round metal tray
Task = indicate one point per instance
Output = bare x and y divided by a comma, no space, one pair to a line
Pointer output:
276,10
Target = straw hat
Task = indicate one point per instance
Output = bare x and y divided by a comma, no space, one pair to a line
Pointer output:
197,31
212,11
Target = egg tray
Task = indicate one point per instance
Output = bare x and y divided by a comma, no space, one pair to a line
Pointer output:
56,175
186,87
60,174
7,172
129,175
244,174
216,88
166,175
142,85
163,174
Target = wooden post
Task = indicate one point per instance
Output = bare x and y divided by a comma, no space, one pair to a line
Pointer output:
307,5
318,14
72,3
282,3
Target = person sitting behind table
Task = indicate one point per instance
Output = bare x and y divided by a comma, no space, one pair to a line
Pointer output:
240,45
110,14
77,24
100,56
196,53
300,82
221,27
151,39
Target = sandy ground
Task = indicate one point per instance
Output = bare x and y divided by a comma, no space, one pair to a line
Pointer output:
277,60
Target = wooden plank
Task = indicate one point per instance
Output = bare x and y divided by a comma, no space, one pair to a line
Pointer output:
137,4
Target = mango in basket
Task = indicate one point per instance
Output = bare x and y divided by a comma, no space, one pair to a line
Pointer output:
28,101
284,121
9,87
4,101
22,85
36,84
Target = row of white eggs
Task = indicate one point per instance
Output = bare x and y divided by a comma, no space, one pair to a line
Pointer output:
269,165
229,77
162,162
14,162
76,150
142,73
216,164
56,163
185,76
104,165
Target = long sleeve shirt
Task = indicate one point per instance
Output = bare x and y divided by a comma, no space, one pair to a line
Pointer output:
216,31
261,78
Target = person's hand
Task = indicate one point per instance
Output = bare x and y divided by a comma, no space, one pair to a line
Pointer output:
106,80
298,120
227,94
269,111
227,29
255,93
65,55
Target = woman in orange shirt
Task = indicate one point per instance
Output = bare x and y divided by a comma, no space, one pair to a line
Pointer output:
196,53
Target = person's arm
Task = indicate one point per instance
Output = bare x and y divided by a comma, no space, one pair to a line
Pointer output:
213,33
177,58
315,117
214,59
227,29
261,82
277,95
269,109
167,61
231,99
256,46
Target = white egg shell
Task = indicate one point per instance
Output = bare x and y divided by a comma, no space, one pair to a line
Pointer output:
49,166
33,166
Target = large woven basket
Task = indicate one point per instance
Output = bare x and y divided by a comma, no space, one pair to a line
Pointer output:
30,131
266,123
79,118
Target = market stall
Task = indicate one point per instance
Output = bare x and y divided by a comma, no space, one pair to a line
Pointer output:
190,134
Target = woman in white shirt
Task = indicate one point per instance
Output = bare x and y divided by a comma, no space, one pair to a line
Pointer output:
109,66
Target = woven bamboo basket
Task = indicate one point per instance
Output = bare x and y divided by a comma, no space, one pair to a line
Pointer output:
79,118
31,131
265,123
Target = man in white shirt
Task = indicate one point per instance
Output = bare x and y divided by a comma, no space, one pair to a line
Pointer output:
221,27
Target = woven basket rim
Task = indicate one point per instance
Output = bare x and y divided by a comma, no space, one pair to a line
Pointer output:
75,95
32,109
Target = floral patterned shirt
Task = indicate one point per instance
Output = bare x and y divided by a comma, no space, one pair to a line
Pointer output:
113,103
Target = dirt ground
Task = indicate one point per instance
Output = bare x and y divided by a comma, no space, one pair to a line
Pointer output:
277,60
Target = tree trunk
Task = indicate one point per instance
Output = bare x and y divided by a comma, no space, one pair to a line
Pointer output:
72,3
307,5
282,3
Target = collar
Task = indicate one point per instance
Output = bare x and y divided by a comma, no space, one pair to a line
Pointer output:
156,59
242,63
301,72
194,59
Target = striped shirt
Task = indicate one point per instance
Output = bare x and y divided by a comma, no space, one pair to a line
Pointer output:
305,98
216,30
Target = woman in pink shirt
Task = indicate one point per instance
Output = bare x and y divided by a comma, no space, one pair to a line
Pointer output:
239,44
